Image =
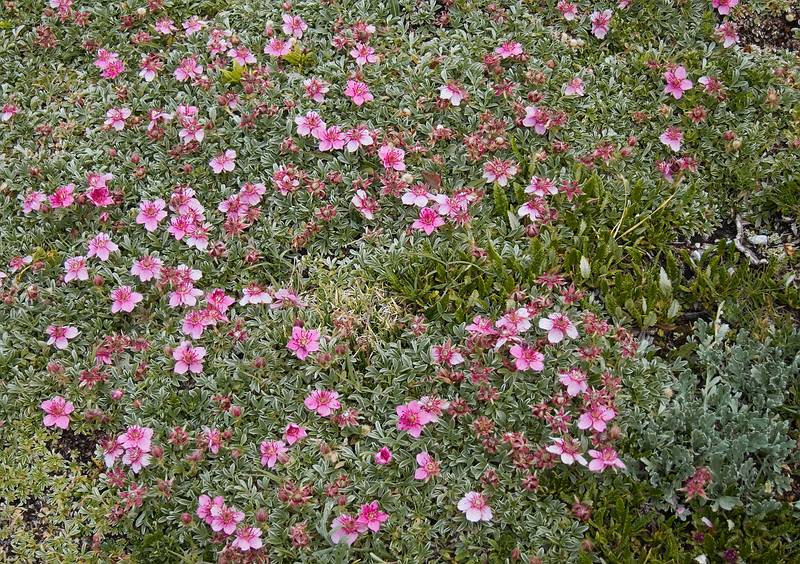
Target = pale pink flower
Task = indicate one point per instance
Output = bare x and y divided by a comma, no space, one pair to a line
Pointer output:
569,451
316,89
475,507
294,25
527,358
428,221
568,10
33,202
323,402
537,118
75,269
136,458
558,326
331,138
241,56
540,186
188,358
605,458
358,92
365,204
8,111
165,26
293,433
147,268
677,82
383,456
193,25
417,195
255,294
124,299
57,411
427,467
500,171
101,246
194,323
371,517
303,342
363,54
247,538
345,528
358,137
726,32
574,87
151,213
452,92
273,452
672,138
446,354
184,295
60,335
224,161
575,380
116,118
601,23
205,504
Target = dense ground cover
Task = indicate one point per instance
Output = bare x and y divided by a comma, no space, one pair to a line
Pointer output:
399,281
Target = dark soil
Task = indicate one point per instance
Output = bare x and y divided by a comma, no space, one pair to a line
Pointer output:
772,31
72,445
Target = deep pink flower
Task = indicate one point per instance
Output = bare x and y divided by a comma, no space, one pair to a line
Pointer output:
371,517
358,92
303,342
527,358
596,417
724,6
428,221
363,54
293,433
383,456
57,411
151,213
225,519
124,299
677,82
392,157
605,458
272,452
411,417
136,437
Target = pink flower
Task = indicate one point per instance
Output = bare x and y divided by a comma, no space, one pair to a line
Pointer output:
294,25
371,517
147,268
677,83
116,118
417,195
392,157
452,92
8,111
574,87
194,323
428,221
331,138
726,32
383,456
33,202
541,187
672,138
57,411
254,294
358,92
136,458
60,335
568,450
567,9
272,452
124,299
136,437
188,358
205,504
358,137
293,433
98,192
151,212
500,171
184,295
411,417
363,54
225,161
75,268
605,458
193,25
575,381
527,358
558,326
101,246
324,402
309,124
188,69
596,418
446,354
537,118
303,342
428,467
365,204
63,196
724,6
509,49
316,89
601,23
241,56
345,528
225,519
475,507
278,47
247,538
